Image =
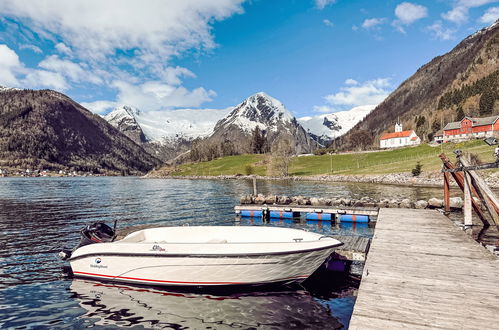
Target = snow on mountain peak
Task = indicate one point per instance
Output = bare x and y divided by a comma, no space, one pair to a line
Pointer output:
260,110
124,112
335,124
6,89
168,125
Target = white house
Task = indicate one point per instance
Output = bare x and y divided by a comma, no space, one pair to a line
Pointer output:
399,138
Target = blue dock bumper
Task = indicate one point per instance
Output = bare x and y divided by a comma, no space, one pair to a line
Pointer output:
354,218
319,216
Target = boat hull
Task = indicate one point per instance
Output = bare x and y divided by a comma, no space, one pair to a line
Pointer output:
201,270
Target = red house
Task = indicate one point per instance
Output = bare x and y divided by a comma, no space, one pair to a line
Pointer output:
471,128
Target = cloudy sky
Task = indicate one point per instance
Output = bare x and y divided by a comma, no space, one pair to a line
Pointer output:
313,55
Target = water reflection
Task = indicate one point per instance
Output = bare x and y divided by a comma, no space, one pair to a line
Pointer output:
125,305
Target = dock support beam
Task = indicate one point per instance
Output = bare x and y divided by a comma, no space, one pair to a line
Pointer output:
446,193
467,200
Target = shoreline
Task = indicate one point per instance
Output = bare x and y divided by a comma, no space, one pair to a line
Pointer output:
428,179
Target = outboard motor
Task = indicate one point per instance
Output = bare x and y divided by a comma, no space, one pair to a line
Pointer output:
97,232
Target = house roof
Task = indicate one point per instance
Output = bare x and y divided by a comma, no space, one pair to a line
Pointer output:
476,122
393,135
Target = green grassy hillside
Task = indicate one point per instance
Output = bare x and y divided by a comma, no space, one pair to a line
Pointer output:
382,162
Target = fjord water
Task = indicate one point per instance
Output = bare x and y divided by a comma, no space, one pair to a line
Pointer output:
39,216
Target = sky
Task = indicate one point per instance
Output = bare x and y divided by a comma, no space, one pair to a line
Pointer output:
315,56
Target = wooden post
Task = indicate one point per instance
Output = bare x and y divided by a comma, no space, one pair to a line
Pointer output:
467,200
486,194
254,187
446,193
459,178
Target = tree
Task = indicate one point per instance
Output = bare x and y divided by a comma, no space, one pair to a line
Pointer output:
360,139
416,171
259,141
460,113
487,101
281,154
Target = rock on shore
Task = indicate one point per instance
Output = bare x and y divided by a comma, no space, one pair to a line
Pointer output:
456,203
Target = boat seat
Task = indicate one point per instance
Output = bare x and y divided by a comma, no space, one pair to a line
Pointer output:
217,241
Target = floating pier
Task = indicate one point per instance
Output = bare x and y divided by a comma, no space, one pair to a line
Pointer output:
424,272
327,213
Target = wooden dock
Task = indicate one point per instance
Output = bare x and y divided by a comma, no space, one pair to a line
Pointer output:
354,248
424,272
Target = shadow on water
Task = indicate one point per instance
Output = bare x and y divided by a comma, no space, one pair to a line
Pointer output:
126,305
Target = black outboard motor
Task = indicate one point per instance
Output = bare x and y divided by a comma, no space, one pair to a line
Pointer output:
97,232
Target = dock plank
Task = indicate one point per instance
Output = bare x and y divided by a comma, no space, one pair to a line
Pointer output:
423,272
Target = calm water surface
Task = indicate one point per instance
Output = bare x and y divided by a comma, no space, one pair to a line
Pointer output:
38,216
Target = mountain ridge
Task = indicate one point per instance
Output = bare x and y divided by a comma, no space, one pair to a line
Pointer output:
415,102
47,130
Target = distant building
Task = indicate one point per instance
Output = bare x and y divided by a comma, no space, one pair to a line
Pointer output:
399,138
439,137
471,128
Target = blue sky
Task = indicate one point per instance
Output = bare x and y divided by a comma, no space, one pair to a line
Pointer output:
316,56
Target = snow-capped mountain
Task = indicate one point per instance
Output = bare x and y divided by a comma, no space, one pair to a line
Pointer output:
7,89
329,126
259,110
166,126
125,119
270,116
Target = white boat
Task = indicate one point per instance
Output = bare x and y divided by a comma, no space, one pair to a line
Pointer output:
205,256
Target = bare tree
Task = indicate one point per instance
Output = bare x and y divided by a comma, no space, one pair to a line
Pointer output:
281,154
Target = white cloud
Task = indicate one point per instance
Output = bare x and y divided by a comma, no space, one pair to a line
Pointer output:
372,22
408,13
120,40
356,94
155,95
99,106
62,48
459,12
9,64
321,4
69,69
96,28
490,16
328,23
456,15
33,48
440,32
45,79
172,75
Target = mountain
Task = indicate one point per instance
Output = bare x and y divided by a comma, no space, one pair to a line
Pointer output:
47,130
124,120
329,126
165,126
259,114
165,134
465,81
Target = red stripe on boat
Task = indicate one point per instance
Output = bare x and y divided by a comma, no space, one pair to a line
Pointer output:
177,282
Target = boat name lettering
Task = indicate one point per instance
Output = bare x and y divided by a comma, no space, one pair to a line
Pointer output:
97,263
157,248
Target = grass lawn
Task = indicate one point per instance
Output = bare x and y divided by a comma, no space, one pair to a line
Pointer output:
224,166
382,162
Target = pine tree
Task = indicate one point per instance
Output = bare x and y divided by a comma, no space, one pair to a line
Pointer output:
487,101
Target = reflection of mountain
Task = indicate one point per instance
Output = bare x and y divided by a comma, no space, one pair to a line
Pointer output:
123,305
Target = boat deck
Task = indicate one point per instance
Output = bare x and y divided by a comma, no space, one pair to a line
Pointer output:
424,272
